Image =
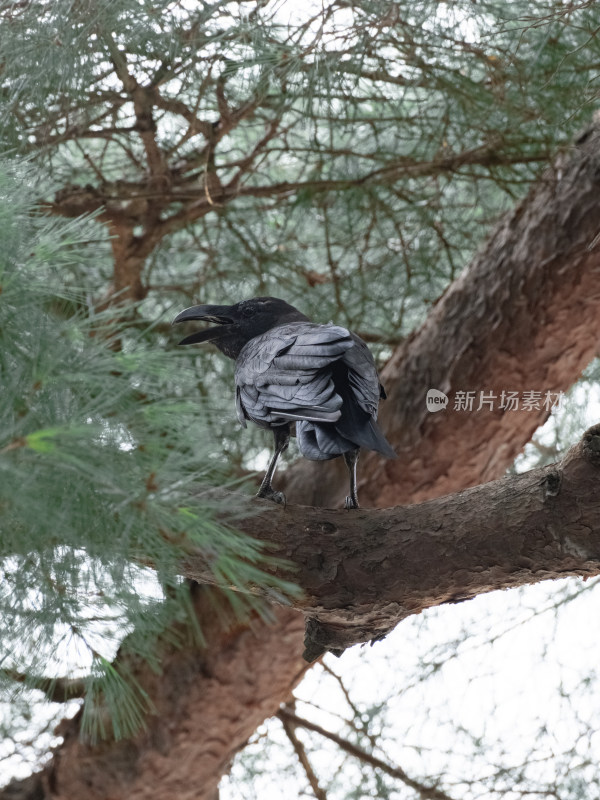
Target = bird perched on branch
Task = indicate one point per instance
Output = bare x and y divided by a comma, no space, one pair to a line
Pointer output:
291,370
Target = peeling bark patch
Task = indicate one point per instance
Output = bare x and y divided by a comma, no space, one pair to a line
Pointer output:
591,444
575,549
551,484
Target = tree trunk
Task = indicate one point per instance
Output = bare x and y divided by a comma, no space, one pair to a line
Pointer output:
524,316
207,702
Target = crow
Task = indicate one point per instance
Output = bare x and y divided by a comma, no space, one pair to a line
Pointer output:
291,370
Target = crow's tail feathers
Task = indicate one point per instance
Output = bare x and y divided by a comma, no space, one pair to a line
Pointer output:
383,446
367,435
320,442
360,427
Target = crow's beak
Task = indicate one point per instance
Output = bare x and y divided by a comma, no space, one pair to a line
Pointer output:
221,315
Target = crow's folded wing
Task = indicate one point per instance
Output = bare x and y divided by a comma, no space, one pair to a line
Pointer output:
362,376
358,385
282,375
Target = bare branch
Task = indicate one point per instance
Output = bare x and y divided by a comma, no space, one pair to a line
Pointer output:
423,791
199,206
300,750
180,108
56,690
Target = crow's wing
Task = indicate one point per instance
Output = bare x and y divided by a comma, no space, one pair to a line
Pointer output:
357,383
282,374
362,376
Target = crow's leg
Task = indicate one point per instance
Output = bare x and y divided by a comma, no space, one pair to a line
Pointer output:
282,439
351,457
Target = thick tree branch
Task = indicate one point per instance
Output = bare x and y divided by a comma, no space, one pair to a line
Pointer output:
363,572
532,324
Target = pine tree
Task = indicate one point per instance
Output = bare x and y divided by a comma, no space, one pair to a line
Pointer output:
351,158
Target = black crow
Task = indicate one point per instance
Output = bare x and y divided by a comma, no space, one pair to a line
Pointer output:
288,369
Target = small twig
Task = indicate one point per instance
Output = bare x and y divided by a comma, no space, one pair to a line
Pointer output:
14,445
90,161
300,750
56,690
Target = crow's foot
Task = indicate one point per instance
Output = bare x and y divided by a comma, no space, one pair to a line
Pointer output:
270,494
351,503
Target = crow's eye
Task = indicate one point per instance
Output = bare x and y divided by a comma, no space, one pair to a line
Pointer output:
252,307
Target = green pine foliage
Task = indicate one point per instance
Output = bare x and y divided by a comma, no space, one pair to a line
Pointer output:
104,462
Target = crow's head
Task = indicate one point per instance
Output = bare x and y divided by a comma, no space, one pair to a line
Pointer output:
237,324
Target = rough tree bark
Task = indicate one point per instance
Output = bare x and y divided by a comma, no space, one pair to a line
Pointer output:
538,272
204,700
364,572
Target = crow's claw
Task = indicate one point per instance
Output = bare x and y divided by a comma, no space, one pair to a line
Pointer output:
270,494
